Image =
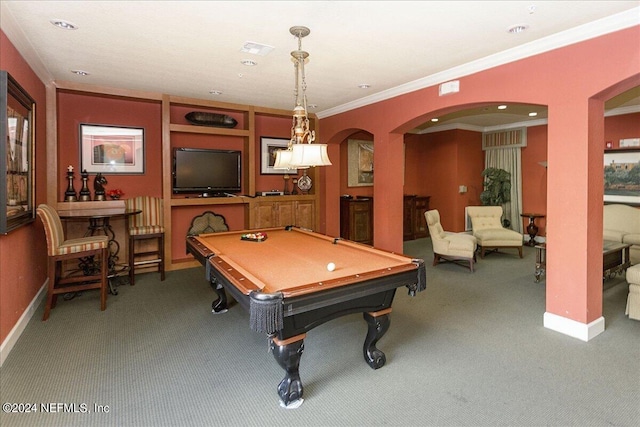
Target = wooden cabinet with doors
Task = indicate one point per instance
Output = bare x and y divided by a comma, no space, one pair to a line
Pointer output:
280,211
356,219
414,222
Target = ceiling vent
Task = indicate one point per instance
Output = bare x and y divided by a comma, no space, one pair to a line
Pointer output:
256,48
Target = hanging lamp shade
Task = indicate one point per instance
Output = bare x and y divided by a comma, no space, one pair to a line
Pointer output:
283,159
307,155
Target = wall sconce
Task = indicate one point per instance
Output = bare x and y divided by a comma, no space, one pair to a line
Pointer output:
462,189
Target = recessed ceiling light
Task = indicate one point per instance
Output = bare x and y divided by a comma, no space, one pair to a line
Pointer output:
80,72
364,86
533,114
215,92
502,107
517,28
435,119
249,62
65,25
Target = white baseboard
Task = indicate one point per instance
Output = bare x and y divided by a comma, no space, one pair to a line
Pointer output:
582,331
16,331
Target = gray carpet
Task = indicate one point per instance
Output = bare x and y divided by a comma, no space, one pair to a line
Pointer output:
469,351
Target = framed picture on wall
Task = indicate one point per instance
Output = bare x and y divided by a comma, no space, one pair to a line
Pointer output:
622,176
17,130
111,149
268,149
360,159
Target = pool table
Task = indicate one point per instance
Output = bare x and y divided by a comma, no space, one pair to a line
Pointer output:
285,282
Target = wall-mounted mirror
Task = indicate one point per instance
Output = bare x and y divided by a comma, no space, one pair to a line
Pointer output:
17,130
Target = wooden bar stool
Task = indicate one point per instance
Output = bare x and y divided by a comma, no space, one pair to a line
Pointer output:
148,225
83,250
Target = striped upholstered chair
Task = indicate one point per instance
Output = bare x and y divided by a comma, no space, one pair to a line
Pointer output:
148,225
81,249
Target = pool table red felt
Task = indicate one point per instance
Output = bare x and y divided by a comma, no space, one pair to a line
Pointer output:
295,261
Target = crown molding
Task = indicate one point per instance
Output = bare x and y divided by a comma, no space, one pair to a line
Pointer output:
623,110
578,34
473,128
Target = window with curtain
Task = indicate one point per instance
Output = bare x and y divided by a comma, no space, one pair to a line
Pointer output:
502,150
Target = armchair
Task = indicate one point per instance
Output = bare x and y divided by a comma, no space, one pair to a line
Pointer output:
450,247
486,222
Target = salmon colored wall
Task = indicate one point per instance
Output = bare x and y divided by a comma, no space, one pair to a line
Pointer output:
621,127
575,91
23,252
416,170
534,177
437,164
270,127
77,108
439,182
470,167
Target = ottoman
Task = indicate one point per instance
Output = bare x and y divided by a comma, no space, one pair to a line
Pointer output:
633,300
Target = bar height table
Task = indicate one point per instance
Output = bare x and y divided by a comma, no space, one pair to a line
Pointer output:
99,222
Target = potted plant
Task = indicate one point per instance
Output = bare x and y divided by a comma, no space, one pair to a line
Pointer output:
497,189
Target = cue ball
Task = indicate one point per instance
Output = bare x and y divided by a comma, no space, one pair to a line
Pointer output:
331,266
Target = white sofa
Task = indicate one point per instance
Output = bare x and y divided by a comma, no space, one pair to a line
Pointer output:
633,299
621,223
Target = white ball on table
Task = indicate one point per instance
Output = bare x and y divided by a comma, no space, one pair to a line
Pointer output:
331,266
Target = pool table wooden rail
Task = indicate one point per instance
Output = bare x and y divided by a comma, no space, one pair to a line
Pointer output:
287,313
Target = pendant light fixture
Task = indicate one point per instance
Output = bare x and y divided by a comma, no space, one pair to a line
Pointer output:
302,152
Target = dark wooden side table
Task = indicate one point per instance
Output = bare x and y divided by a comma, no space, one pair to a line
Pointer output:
541,260
99,224
532,228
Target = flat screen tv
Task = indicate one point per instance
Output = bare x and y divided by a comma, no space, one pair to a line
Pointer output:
207,172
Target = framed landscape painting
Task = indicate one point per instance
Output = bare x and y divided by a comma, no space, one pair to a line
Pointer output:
360,161
622,176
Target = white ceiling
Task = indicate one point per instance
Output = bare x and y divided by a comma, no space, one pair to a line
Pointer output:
189,48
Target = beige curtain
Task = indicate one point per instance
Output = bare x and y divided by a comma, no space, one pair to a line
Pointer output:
507,155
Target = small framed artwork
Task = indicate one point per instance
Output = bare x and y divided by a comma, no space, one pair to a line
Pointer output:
111,149
17,131
622,176
360,159
268,149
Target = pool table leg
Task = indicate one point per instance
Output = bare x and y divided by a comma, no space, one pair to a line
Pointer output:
219,306
378,323
288,353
